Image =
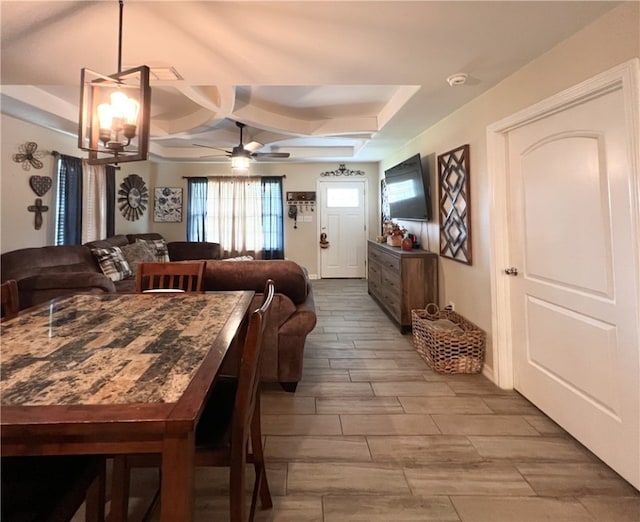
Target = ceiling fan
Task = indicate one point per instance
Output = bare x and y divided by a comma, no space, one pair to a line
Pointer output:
241,155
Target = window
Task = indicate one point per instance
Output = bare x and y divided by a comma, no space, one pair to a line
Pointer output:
342,197
84,211
243,215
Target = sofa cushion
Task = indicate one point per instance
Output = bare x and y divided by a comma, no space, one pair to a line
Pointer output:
288,276
136,253
112,263
159,246
193,250
132,238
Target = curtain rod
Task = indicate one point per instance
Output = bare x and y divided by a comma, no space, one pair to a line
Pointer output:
57,154
236,177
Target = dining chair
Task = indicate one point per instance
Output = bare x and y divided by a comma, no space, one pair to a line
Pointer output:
52,488
231,420
178,275
9,299
228,433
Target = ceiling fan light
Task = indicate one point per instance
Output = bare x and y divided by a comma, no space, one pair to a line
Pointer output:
240,163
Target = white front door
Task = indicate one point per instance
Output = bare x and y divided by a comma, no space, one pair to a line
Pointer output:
342,220
574,299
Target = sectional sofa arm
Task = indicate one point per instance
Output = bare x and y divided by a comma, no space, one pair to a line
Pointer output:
303,320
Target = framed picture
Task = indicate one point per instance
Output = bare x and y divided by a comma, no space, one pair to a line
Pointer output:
454,203
167,205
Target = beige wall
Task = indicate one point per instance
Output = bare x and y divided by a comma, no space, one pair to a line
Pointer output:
609,41
301,244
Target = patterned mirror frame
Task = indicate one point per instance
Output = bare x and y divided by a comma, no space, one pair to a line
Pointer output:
455,205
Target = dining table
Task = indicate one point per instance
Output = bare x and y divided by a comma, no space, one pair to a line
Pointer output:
117,374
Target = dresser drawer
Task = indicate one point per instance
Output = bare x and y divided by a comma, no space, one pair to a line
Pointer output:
392,282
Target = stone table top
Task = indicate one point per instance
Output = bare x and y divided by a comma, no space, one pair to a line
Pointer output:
109,348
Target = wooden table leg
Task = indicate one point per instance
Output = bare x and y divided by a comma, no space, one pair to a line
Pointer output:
177,488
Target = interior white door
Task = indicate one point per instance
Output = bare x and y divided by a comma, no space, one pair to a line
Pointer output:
342,219
575,297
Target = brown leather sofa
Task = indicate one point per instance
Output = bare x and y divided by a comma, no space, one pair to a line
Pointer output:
293,312
43,273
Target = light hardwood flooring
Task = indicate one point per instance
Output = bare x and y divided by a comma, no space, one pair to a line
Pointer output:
373,435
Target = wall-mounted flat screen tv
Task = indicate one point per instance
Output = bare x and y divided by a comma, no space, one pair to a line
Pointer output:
408,190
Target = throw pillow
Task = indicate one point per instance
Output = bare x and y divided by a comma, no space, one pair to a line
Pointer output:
112,263
136,253
159,247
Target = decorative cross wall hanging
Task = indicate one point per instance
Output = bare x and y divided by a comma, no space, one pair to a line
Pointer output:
38,209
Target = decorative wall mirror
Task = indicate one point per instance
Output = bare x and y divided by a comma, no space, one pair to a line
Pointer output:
133,197
454,204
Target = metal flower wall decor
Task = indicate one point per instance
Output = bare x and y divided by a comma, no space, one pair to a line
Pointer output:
29,156
133,197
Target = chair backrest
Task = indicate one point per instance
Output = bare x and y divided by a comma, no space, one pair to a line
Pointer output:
9,301
249,373
181,275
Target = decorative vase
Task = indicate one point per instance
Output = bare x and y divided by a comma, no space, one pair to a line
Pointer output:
394,241
407,244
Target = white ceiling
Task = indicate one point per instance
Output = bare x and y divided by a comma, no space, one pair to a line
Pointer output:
335,81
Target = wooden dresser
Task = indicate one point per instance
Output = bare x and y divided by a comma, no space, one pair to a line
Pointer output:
402,280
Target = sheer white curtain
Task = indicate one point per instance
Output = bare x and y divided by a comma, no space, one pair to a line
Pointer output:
94,202
234,215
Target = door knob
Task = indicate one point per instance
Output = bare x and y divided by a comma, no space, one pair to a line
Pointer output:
512,271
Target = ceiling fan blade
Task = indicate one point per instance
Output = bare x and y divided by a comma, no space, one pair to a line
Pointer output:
270,155
211,147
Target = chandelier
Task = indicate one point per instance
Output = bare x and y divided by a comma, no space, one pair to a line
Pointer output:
115,112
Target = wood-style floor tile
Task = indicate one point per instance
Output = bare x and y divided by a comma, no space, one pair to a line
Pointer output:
531,448
484,425
286,404
414,450
386,375
301,425
479,478
452,405
520,509
405,389
379,424
310,448
613,509
359,405
322,375
333,389
341,477
574,479
384,508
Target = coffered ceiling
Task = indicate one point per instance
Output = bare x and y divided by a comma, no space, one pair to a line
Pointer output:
334,81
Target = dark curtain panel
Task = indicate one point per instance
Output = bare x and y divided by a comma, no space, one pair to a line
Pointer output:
272,218
69,229
111,200
196,209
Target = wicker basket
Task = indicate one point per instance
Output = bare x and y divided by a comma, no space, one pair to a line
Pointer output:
445,350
